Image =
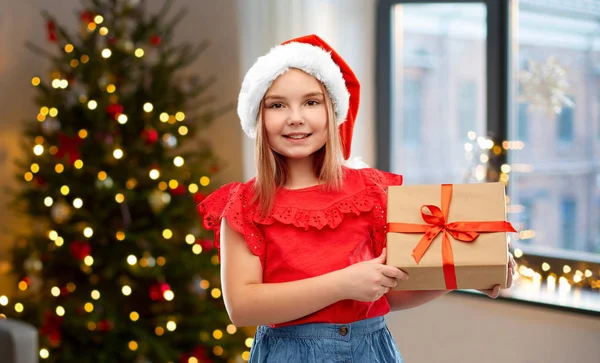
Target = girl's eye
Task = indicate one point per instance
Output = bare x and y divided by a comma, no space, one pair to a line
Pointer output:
312,103
276,105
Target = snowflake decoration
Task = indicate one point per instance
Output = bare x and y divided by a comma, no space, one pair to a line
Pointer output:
545,86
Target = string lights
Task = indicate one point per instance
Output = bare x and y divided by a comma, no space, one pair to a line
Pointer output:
536,274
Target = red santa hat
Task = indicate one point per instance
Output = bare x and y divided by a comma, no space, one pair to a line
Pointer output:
314,56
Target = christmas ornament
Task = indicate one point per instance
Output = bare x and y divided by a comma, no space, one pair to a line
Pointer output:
125,44
206,244
157,291
77,92
64,291
50,327
107,183
39,181
196,286
68,146
80,250
545,86
33,264
103,81
114,110
155,40
200,353
104,325
51,30
158,200
169,141
150,136
87,17
50,126
180,190
60,212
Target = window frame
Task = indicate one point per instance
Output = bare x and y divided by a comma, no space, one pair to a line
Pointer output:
499,67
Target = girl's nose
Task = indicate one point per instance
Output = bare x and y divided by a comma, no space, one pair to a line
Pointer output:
295,117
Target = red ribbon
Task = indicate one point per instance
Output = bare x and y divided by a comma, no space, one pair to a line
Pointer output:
437,222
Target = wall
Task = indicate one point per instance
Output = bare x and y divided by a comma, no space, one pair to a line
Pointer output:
477,329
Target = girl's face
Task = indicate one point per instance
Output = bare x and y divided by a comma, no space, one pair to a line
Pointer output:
295,115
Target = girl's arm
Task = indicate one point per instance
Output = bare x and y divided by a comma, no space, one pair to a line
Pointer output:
250,302
407,299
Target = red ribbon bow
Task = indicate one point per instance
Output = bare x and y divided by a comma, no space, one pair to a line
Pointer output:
437,222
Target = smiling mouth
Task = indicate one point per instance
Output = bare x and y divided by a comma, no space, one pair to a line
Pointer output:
297,136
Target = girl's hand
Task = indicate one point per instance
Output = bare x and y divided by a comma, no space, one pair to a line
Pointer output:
370,280
495,292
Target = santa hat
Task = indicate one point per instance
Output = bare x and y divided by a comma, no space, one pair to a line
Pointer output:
312,55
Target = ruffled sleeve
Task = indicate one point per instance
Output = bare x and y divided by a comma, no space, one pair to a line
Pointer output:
379,181
232,202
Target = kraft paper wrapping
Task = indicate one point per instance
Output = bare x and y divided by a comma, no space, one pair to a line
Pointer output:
480,264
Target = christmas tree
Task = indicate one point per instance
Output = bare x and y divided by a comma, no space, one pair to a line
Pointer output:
116,266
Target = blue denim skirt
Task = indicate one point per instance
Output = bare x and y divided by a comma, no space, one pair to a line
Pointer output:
368,341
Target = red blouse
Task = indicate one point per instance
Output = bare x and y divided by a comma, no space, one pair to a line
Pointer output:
311,232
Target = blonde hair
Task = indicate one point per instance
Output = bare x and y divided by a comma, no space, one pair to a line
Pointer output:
272,171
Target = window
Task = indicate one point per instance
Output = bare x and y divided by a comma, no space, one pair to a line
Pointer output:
433,99
565,125
467,108
568,222
523,122
559,78
533,90
525,222
412,111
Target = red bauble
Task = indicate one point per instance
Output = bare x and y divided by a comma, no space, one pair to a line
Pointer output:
180,190
69,147
54,337
199,197
87,16
51,29
104,325
27,280
206,244
199,353
157,291
39,181
64,291
150,136
80,250
155,40
114,110
164,287
51,327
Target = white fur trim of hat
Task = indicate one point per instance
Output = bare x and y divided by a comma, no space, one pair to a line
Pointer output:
308,58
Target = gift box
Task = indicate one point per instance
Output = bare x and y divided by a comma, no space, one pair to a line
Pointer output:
449,236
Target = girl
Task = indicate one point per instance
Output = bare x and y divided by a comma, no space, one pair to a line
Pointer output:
302,245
